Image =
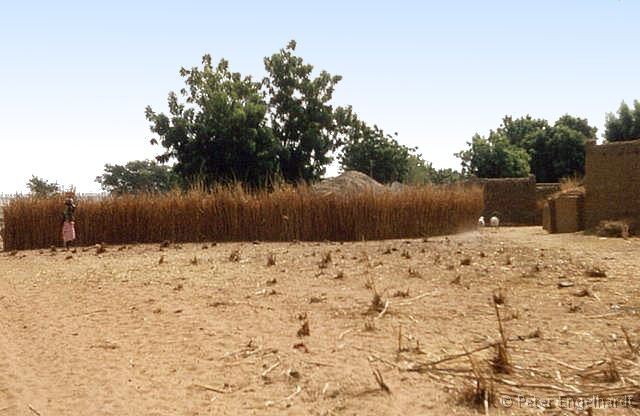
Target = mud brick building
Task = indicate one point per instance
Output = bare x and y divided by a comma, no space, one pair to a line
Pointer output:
612,182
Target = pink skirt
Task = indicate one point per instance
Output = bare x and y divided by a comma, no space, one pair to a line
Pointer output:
68,231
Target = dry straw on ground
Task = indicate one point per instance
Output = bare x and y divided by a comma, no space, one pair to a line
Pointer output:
231,214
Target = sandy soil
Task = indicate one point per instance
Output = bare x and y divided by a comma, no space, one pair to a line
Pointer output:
199,334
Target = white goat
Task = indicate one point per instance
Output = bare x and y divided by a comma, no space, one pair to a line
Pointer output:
481,222
494,221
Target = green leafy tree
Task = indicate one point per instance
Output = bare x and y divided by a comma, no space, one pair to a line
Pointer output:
445,176
301,116
371,151
138,176
42,188
219,132
579,124
422,172
625,125
530,134
419,172
554,151
559,151
494,157
521,131
564,154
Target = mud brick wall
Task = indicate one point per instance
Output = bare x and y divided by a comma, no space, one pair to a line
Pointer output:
569,213
543,192
612,182
514,199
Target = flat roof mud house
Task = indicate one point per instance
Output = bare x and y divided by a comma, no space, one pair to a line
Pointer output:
612,183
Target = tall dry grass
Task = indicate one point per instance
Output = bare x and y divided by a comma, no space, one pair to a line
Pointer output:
231,214
571,183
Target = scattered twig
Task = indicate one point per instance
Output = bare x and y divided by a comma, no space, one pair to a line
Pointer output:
482,393
562,363
457,356
373,357
343,333
248,350
294,394
270,369
534,385
209,388
410,301
85,313
611,373
627,338
502,362
34,410
319,364
378,376
325,388
384,310
105,346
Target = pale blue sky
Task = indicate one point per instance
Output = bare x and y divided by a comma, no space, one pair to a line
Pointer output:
76,76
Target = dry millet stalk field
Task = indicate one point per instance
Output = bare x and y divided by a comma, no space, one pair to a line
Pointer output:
488,321
233,214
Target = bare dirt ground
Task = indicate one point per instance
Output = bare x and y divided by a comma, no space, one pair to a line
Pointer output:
201,333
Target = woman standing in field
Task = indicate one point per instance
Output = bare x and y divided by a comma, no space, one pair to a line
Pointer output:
68,222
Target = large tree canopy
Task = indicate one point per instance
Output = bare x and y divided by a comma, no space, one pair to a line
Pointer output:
138,176
554,151
564,154
625,125
224,127
521,132
494,157
219,134
579,124
371,151
300,113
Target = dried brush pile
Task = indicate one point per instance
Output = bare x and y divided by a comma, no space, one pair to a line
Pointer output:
232,214
501,379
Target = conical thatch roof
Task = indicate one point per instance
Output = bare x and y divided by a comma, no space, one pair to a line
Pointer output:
350,181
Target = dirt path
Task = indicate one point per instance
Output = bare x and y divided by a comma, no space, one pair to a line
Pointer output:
121,334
